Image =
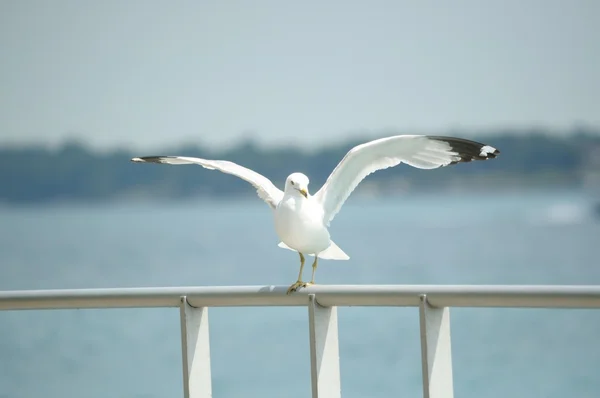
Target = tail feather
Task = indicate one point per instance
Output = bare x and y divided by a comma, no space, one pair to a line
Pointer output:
333,252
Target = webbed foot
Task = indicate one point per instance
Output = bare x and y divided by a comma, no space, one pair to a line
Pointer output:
297,286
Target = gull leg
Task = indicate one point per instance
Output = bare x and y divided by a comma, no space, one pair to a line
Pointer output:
312,280
301,267
299,282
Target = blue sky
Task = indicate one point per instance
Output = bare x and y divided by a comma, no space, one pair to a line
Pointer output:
150,74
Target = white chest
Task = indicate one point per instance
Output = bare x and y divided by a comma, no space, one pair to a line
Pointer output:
299,224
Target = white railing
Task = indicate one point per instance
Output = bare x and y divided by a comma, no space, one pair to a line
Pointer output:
322,302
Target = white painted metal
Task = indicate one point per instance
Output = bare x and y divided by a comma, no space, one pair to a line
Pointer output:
436,351
587,296
324,350
195,347
432,301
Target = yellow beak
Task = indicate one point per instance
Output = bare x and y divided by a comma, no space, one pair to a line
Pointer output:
303,192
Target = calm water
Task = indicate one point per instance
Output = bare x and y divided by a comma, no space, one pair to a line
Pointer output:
263,352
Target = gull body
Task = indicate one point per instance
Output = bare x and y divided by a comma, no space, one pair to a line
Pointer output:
301,220
299,223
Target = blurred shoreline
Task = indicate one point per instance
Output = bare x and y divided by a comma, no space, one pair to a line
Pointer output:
73,172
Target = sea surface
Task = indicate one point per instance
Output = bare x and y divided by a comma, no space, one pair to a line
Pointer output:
542,238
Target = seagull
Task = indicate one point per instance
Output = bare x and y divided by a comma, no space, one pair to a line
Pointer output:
302,220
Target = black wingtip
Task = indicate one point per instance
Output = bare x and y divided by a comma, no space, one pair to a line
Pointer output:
468,150
149,159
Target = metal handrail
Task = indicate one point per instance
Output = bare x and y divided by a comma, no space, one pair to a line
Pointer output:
550,296
433,302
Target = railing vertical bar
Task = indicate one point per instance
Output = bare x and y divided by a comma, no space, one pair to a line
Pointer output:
324,350
436,352
195,349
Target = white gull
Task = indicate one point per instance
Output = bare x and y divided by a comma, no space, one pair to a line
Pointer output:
302,219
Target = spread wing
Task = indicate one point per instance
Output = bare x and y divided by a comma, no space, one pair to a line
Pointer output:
423,152
264,187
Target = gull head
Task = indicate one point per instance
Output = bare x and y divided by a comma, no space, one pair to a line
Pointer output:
297,184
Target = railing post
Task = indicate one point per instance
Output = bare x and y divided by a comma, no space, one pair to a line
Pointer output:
195,348
324,350
436,353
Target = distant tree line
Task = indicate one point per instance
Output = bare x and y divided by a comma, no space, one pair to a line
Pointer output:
75,172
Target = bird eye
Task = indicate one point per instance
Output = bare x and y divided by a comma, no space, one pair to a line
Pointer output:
292,182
